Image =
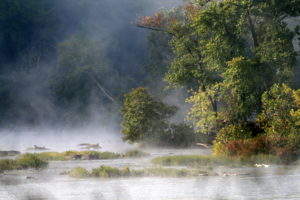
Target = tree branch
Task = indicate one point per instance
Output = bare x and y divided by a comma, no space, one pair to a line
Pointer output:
103,90
155,29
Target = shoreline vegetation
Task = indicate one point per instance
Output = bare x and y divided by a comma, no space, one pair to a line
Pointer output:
89,155
183,166
24,161
40,160
197,161
114,172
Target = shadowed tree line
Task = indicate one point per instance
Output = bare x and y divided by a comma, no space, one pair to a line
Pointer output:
60,57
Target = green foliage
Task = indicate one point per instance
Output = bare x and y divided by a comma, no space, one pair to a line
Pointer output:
109,172
144,117
30,161
229,57
195,161
73,155
113,172
50,156
7,164
241,89
260,147
280,114
88,155
164,172
203,113
79,172
205,162
22,162
233,132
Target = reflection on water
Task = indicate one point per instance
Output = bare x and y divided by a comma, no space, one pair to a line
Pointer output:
276,182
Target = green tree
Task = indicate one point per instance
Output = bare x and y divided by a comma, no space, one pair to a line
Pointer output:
230,52
144,117
281,111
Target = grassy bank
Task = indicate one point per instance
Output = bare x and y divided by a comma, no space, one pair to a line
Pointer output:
210,161
88,155
22,162
113,172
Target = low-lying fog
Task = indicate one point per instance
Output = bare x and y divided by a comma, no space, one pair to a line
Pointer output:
62,139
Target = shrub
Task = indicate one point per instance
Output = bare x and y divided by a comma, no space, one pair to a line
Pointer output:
106,171
22,162
30,161
7,164
79,172
268,145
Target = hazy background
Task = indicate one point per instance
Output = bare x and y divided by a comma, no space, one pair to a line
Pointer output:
50,48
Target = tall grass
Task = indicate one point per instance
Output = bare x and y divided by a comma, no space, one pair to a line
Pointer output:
113,172
88,155
210,161
22,162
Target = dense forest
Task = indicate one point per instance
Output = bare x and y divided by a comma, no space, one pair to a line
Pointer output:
231,66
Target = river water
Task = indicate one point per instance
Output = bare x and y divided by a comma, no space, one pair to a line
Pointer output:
275,182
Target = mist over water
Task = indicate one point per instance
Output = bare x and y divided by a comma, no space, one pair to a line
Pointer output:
38,119
62,139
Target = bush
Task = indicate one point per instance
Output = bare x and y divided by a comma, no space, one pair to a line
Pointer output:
22,162
30,161
109,172
268,145
79,172
7,164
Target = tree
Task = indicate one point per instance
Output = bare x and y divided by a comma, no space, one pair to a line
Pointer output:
144,118
229,52
83,69
281,111
28,28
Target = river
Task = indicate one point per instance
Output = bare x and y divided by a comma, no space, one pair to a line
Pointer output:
275,182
